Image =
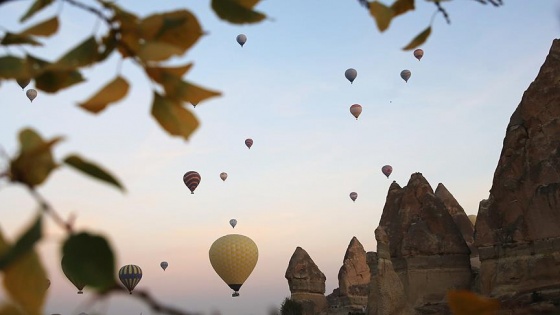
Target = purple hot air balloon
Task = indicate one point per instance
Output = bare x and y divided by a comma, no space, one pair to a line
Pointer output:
387,170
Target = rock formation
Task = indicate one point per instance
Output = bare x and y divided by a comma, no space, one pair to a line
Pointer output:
518,226
306,282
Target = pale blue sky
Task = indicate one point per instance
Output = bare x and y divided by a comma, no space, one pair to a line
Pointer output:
285,89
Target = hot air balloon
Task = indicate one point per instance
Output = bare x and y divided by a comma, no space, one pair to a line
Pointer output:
234,257
194,104
353,196
31,94
164,265
405,75
387,170
80,286
351,74
130,275
223,176
191,179
241,39
356,110
249,142
233,223
23,83
418,53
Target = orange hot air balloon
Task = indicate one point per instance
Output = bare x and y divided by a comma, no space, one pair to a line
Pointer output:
353,196
418,53
191,179
387,170
249,142
356,110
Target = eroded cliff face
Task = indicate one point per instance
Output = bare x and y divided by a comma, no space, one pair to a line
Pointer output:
306,282
517,230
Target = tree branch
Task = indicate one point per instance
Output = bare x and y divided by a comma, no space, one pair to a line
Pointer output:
46,207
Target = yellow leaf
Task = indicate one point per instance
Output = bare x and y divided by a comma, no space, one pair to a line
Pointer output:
13,68
402,6
157,73
462,302
382,14
129,28
178,28
112,92
158,51
82,55
45,28
172,117
35,66
18,39
180,90
419,39
24,280
237,11
10,309
37,6
52,81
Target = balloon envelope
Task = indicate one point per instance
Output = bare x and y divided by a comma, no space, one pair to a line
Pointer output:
405,75
130,275
418,53
223,176
234,257
241,39
233,223
164,265
64,264
351,74
23,83
191,179
249,142
387,170
356,110
353,196
31,94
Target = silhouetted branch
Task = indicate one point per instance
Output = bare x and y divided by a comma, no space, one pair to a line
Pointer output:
46,207
442,10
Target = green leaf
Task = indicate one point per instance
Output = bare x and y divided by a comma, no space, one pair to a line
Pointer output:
23,245
114,91
382,14
173,117
180,29
52,81
45,28
24,280
35,161
237,11
83,54
92,170
419,39
89,260
37,6
13,68
402,6
18,39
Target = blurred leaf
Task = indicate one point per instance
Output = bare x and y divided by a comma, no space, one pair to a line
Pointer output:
37,6
157,73
82,55
35,161
24,244
129,28
108,45
402,6
419,39
89,260
35,66
13,68
92,170
158,51
179,90
24,280
10,309
52,81
382,14
178,28
45,28
462,302
173,117
18,39
114,91
237,11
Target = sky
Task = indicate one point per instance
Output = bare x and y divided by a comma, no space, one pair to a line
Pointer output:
286,90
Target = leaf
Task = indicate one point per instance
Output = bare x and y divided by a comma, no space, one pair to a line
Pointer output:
35,161
35,66
237,11
179,28
37,6
24,244
114,91
89,260
13,68
402,6
45,28
382,14
108,45
10,309
83,54
92,170
462,302
158,51
18,39
25,280
174,118
157,73
179,90
419,39
52,81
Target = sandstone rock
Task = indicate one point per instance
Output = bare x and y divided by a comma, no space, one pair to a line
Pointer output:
354,275
306,282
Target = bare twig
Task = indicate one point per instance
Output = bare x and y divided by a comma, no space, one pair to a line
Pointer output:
442,10
46,207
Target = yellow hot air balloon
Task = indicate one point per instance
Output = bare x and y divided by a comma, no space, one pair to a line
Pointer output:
234,257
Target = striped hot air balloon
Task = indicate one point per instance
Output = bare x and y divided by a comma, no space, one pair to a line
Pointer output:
191,179
234,257
130,275
64,264
249,142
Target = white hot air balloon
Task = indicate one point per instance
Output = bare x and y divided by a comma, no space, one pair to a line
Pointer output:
351,74
223,176
356,110
241,39
233,223
31,94
405,75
